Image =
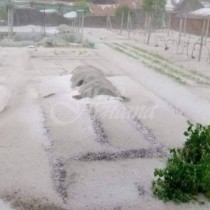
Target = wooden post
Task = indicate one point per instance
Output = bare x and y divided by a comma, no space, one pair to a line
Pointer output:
146,21
169,24
202,38
185,24
44,29
12,20
149,29
129,23
180,30
8,20
122,23
109,23
83,19
77,22
207,30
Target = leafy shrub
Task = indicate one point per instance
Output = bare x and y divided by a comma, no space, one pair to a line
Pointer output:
187,172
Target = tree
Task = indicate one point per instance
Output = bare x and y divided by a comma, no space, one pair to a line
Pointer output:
3,13
153,5
124,13
82,4
122,10
154,13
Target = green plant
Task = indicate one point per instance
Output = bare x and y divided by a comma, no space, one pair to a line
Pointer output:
83,4
147,62
154,5
123,10
187,172
161,64
3,13
154,14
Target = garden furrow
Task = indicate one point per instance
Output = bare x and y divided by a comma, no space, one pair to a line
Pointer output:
58,171
161,65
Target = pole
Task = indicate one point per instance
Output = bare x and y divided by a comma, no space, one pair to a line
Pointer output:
202,37
10,20
149,29
129,23
180,30
146,21
107,24
77,23
185,24
83,19
44,15
169,24
122,22
80,22
207,30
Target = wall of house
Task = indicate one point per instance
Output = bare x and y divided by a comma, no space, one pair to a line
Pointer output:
34,17
101,22
194,26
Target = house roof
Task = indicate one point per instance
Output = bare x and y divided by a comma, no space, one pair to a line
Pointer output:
103,1
170,6
206,4
203,13
185,6
102,10
130,3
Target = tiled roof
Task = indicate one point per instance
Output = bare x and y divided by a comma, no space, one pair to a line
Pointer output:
131,3
103,10
109,9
